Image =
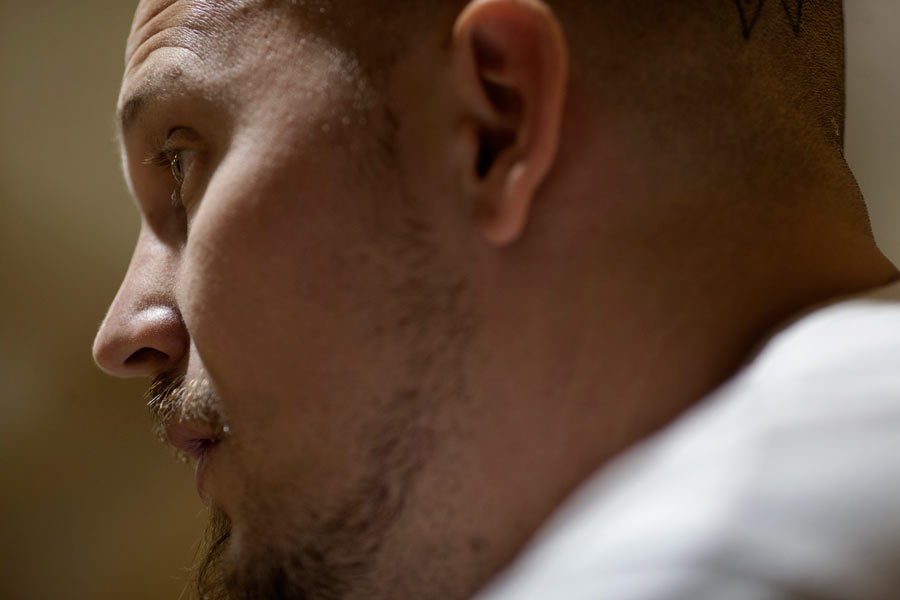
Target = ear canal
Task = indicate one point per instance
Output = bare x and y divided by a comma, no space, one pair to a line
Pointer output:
505,102
491,145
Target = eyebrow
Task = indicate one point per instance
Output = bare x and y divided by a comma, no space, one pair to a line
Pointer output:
150,91
131,110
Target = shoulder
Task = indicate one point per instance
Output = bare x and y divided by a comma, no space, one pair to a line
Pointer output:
782,484
846,341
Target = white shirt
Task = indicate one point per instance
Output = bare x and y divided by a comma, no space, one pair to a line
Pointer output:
783,484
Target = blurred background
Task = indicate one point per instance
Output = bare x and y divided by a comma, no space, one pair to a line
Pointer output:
91,507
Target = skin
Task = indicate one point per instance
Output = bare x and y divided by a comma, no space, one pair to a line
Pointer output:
419,352
380,329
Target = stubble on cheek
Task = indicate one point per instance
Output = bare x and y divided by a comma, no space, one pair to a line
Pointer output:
281,547
284,548
288,551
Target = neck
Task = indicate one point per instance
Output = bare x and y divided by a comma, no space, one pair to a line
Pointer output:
610,350
721,271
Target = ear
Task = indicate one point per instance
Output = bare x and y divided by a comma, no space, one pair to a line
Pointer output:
510,62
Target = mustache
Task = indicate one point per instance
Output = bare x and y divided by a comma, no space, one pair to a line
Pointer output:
172,398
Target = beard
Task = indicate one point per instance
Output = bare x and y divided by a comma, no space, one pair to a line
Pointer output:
325,559
331,554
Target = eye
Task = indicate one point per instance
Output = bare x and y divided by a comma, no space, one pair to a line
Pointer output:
175,157
177,166
174,160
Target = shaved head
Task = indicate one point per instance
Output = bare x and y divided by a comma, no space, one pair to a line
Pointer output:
775,56
772,66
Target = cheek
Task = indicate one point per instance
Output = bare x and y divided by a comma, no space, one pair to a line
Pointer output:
284,300
264,275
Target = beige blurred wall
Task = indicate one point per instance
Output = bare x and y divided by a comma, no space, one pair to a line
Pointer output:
873,120
90,506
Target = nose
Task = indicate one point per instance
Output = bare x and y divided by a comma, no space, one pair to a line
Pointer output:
143,333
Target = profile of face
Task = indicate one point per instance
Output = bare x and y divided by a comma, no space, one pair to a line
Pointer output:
303,328
306,316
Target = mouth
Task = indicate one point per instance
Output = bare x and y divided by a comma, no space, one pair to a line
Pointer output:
196,441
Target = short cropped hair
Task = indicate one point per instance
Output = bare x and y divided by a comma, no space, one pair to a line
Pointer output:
782,57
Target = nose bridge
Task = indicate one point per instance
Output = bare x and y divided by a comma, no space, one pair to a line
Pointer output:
143,333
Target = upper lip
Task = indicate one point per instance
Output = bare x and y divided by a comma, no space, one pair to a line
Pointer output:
191,437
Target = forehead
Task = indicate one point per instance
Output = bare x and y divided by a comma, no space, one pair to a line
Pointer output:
245,64
168,39
187,24
217,38
192,22
198,47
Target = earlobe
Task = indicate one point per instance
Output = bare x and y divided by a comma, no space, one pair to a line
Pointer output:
511,70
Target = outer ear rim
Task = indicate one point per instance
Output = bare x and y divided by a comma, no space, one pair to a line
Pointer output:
502,206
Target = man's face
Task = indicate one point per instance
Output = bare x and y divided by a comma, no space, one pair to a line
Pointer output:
288,273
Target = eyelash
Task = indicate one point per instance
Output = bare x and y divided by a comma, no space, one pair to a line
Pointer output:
165,158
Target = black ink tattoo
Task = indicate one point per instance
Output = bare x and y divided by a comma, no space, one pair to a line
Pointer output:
750,10
794,10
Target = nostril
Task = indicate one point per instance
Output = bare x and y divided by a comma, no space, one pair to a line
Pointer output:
140,342
146,356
